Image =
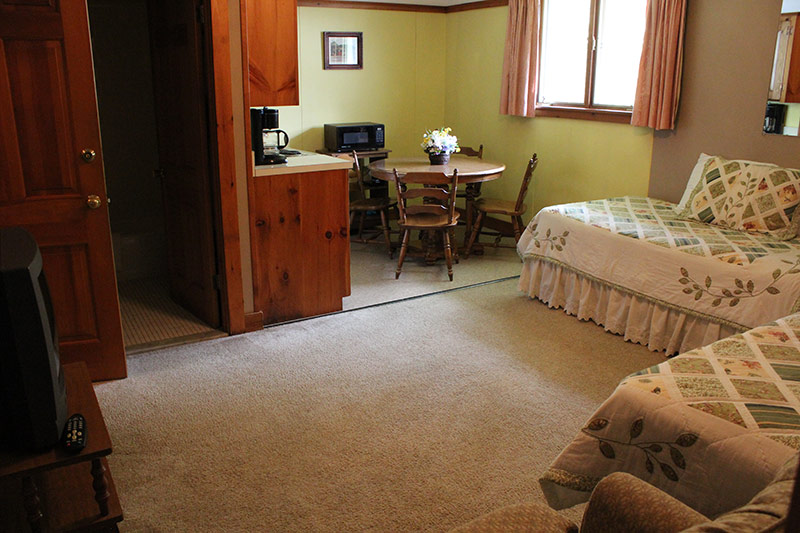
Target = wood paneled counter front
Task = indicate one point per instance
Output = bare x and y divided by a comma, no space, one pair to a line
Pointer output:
300,237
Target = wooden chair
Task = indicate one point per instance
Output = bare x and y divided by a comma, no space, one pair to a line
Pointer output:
437,213
362,205
471,191
514,210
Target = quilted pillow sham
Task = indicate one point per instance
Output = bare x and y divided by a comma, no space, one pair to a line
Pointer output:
748,196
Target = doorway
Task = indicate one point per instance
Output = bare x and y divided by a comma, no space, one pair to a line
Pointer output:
150,74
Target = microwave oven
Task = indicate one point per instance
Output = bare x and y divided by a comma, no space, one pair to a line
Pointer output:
351,136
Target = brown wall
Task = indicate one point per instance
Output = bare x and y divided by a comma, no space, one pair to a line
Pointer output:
728,60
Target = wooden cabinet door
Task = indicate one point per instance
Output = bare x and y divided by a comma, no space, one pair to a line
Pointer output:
48,118
300,244
269,40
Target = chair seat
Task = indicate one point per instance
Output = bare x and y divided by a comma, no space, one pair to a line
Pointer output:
371,204
428,221
501,207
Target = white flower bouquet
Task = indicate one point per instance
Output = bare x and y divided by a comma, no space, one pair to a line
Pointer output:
440,142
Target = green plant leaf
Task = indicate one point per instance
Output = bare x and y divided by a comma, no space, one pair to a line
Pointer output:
597,424
716,302
668,471
637,427
677,458
727,293
698,295
773,290
750,285
606,449
708,282
683,281
684,272
687,290
739,283
776,274
548,232
734,302
565,234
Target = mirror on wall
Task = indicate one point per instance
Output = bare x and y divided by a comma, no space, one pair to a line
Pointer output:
782,116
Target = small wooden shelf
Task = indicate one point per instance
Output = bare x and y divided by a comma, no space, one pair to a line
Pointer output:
63,481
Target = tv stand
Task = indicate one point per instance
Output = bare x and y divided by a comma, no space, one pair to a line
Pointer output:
58,491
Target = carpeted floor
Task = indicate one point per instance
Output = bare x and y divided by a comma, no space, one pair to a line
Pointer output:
412,416
372,273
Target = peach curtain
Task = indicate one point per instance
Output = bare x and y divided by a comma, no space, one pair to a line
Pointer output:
520,64
658,88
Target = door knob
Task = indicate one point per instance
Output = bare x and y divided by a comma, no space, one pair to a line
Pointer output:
93,201
88,155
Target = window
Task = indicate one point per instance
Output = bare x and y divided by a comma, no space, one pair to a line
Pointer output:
589,57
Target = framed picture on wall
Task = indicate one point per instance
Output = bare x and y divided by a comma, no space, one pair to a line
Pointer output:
343,50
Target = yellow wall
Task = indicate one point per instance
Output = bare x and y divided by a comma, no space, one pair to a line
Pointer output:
398,86
578,159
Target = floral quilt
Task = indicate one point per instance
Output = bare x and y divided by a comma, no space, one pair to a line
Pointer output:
640,246
709,427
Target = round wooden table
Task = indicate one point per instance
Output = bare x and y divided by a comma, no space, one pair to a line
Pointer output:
470,169
471,172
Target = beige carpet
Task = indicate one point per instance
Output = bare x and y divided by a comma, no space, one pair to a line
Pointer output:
372,273
151,319
412,416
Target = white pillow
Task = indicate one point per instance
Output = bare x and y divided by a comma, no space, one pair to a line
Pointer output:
694,178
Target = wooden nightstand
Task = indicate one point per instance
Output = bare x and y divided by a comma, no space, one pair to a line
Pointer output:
59,491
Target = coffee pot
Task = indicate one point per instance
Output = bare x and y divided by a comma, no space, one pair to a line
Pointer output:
267,140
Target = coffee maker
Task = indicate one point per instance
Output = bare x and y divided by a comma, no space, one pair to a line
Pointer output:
266,137
774,117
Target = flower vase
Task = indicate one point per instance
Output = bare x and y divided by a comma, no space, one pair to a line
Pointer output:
439,159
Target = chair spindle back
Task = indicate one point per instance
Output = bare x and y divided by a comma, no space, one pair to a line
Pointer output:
526,180
438,186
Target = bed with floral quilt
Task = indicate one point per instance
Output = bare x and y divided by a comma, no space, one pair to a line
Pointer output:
674,277
710,426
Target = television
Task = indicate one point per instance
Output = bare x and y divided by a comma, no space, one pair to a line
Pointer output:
34,401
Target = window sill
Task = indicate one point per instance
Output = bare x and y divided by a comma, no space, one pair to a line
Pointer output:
582,113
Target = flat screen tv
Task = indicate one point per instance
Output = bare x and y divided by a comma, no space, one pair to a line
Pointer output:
34,402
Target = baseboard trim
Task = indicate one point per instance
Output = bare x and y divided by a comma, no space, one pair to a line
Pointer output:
253,321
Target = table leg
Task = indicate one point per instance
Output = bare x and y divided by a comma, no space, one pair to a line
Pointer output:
469,193
33,506
100,485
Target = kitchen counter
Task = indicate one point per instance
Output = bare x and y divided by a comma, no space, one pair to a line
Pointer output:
305,162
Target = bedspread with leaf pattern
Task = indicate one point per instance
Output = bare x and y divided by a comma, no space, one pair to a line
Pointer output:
709,427
640,246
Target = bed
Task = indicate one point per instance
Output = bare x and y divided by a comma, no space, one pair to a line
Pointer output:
636,267
710,426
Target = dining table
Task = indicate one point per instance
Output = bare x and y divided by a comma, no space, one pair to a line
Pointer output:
472,172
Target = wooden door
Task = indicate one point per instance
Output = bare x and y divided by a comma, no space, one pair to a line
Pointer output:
181,102
48,117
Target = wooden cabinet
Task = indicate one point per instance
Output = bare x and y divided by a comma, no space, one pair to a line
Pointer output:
300,244
269,43
785,82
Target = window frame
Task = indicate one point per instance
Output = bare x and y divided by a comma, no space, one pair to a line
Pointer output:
585,111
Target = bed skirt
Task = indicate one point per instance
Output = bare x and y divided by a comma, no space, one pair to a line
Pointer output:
637,319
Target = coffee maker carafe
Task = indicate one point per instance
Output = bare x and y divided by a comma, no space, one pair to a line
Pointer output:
267,139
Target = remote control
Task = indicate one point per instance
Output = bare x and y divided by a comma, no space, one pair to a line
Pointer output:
74,438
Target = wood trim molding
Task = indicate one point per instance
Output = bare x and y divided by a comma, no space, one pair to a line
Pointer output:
253,321
345,4
231,290
476,5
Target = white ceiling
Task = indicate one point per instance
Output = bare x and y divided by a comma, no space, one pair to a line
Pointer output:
440,3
